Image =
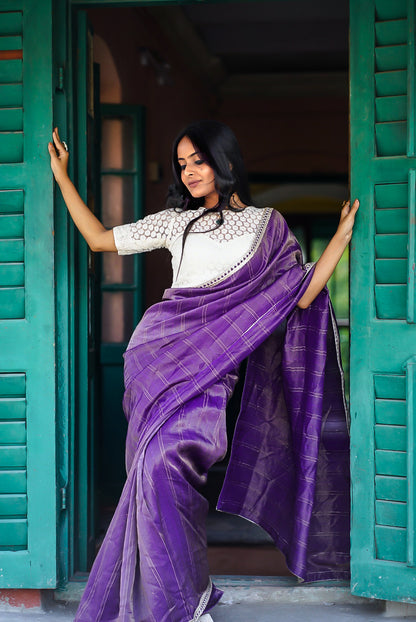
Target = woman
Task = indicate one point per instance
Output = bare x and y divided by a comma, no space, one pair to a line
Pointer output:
237,277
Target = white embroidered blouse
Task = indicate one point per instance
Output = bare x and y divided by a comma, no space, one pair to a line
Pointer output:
208,256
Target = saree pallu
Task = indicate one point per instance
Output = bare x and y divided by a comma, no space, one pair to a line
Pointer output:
288,469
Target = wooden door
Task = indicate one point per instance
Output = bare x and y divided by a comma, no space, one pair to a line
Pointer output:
383,313
28,492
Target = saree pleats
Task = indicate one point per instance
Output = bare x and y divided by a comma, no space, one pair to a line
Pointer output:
288,469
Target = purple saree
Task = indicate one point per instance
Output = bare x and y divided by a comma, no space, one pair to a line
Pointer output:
288,470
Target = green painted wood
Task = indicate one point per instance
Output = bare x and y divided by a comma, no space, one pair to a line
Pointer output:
393,195
391,463
391,108
11,226
390,488
12,384
12,408
13,505
390,301
12,275
387,10
391,270
11,201
390,386
13,532
11,119
411,461
391,57
12,303
391,83
391,138
391,412
11,43
391,220
391,513
383,336
27,435
391,245
13,432
11,250
390,543
11,71
13,456
11,23
391,32
11,147
11,94
392,437
13,482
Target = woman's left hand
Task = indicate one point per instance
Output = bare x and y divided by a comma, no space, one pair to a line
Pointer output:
347,219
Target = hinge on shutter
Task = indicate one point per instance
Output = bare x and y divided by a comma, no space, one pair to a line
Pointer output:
63,498
60,86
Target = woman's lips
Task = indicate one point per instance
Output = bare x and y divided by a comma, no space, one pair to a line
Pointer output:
192,184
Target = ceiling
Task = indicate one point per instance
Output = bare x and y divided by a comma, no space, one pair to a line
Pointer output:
265,45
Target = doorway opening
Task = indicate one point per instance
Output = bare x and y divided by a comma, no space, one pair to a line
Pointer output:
277,73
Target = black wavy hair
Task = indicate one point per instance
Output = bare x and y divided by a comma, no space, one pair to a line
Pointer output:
218,146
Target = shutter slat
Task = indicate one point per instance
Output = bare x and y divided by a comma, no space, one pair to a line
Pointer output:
12,384
391,57
389,270
13,481
391,437
11,42
391,488
390,221
11,23
11,71
391,138
391,301
12,456
391,32
12,303
388,10
13,505
13,432
391,108
11,94
11,119
391,513
11,226
11,201
12,408
391,195
391,543
392,246
12,275
11,250
391,463
391,83
390,386
11,147
391,412
13,533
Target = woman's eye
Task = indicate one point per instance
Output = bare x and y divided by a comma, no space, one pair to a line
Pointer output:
199,162
182,167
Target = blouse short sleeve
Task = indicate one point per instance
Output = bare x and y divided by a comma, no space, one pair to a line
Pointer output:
147,234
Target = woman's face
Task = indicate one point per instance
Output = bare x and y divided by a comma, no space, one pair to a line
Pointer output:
196,174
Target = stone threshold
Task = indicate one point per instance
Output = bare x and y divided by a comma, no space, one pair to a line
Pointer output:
240,589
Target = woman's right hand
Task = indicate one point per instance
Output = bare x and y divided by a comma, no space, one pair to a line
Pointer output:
59,156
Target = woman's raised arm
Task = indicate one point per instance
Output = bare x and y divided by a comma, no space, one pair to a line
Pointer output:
329,259
93,231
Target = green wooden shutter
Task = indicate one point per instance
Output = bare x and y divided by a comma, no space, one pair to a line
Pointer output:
383,314
27,309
